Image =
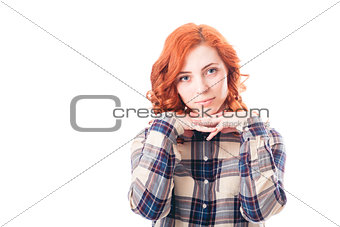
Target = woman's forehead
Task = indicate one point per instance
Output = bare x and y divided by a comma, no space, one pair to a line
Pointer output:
200,57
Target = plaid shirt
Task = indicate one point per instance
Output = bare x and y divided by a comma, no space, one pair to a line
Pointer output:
235,179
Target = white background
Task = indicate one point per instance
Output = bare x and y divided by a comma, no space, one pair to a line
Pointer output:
297,79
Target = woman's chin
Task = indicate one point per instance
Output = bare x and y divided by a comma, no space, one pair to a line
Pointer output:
204,112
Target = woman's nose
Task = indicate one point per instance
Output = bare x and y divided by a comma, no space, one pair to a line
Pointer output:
202,86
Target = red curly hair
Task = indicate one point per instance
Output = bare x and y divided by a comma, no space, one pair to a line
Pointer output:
164,95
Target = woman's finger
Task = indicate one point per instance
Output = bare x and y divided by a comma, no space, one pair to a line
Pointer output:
205,129
187,124
219,128
207,120
212,134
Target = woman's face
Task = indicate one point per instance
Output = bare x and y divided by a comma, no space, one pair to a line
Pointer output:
203,77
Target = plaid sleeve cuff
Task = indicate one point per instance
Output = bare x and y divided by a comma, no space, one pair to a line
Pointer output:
179,130
254,126
174,124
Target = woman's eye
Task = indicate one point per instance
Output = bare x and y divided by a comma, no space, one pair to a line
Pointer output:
185,77
212,70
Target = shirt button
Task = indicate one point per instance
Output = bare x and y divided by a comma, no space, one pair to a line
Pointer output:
205,158
204,205
206,181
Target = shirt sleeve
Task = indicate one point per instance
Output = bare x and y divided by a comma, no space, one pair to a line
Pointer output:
261,165
153,161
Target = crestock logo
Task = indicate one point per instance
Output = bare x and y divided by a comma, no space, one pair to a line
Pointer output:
119,113
73,113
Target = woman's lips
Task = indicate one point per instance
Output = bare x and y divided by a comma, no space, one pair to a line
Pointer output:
206,102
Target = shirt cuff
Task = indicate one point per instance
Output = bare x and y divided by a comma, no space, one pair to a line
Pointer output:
253,126
179,128
170,117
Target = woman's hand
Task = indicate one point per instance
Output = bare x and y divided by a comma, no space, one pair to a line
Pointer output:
186,122
223,120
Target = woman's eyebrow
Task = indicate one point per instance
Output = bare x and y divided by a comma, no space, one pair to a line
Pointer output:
201,70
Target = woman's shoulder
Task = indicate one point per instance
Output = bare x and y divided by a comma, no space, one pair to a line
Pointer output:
274,135
142,133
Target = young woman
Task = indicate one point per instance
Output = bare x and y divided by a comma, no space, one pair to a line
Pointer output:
202,163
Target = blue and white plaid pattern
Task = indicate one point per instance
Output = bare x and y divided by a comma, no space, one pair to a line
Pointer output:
235,179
